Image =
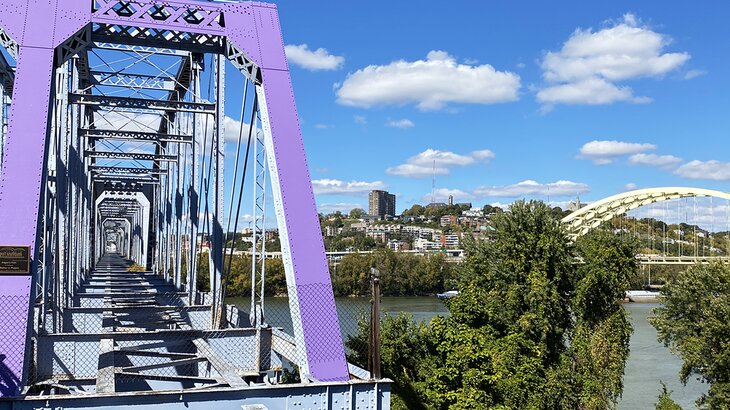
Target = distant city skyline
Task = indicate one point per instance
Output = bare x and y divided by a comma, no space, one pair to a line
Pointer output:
592,100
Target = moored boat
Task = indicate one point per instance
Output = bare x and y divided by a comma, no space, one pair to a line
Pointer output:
448,294
639,296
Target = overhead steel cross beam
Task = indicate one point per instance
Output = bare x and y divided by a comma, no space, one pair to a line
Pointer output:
126,170
130,156
252,40
135,81
141,103
134,135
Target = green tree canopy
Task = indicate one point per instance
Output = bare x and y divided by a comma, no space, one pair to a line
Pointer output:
357,213
531,329
415,210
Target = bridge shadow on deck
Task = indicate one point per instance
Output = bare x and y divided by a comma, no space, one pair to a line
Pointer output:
113,261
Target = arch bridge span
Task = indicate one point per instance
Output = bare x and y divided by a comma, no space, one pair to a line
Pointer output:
591,216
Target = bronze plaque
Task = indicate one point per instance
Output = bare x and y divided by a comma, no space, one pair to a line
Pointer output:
14,260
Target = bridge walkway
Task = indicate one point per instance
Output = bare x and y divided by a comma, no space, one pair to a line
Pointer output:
148,337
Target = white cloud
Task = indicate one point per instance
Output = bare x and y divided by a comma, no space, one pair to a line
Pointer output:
586,68
231,130
589,91
340,206
338,187
416,171
530,187
430,84
360,120
664,161
127,121
442,195
694,74
433,161
710,170
323,126
630,186
483,154
314,60
403,124
430,156
604,152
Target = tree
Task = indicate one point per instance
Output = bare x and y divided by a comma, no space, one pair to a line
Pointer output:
665,400
693,322
401,274
529,329
403,345
490,210
558,212
507,327
415,210
357,213
600,341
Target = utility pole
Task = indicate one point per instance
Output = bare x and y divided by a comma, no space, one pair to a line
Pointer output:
374,345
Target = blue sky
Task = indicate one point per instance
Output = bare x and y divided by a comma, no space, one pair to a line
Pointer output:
511,99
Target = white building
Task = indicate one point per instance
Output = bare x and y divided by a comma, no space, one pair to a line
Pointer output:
449,241
473,213
398,245
420,244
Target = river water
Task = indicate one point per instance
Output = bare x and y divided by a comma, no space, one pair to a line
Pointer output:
649,362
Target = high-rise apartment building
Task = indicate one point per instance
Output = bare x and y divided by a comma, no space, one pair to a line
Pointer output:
381,203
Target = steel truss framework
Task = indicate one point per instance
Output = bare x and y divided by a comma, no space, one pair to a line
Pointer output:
119,173
589,217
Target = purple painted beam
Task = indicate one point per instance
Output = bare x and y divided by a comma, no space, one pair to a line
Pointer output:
28,22
254,27
310,289
19,195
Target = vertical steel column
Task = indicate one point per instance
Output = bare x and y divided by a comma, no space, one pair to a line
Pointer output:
311,300
179,171
168,219
86,205
219,147
193,194
62,192
155,225
258,248
20,189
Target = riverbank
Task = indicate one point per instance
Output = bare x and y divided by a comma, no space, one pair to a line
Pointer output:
648,365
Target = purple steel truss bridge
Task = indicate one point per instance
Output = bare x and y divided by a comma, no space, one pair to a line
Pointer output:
113,213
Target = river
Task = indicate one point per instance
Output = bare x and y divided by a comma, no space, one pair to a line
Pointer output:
649,362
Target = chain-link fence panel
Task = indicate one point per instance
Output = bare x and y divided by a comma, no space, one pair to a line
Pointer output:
353,315
13,331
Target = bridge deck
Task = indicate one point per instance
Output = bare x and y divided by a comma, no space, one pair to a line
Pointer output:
132,336
133,332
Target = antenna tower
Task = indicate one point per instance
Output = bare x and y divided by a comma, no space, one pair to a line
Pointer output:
433,184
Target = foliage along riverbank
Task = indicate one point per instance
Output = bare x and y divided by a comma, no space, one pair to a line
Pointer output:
530,329
401,274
